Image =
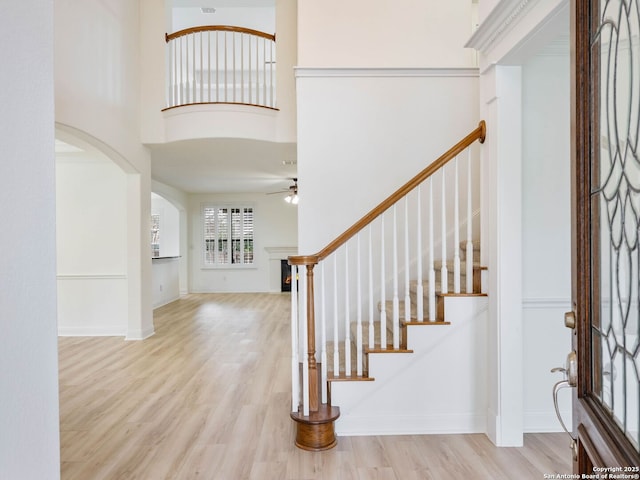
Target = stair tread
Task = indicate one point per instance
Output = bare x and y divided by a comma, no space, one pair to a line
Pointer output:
437,264
414,322
388,349
351,378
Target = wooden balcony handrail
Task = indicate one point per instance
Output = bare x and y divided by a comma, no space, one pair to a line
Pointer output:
219,28
478,134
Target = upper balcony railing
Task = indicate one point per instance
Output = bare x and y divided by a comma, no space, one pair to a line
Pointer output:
221,64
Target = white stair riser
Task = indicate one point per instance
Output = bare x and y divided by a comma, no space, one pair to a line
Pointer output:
444,379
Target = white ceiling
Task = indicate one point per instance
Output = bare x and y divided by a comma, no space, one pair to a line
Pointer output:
224,165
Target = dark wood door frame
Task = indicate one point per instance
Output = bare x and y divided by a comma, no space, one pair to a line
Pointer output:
600,442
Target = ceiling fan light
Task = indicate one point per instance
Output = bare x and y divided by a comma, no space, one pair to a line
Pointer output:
294,199
288,198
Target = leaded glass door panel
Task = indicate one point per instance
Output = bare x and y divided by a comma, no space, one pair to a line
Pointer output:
606,228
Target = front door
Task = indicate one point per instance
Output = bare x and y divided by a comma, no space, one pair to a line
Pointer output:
606,236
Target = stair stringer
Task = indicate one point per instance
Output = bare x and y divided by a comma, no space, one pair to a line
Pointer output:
439,388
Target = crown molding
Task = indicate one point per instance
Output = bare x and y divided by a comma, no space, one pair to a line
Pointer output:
505,15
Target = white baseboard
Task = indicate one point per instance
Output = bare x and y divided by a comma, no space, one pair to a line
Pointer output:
84,331
140,334
167,302
353,425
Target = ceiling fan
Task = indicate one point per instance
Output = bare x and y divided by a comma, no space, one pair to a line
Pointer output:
292,192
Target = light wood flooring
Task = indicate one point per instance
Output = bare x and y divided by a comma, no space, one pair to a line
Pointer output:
208,397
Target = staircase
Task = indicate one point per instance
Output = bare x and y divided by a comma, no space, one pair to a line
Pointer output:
390,316
431,356
340,373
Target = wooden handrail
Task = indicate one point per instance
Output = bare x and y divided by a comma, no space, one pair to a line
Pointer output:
478,134
218,28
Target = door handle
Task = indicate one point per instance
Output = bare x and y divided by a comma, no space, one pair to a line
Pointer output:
571,380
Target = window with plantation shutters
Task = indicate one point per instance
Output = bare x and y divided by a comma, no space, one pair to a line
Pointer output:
228,235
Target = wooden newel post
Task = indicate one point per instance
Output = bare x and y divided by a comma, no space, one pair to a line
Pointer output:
314,385
315,431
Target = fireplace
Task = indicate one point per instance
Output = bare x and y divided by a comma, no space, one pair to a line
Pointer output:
285,276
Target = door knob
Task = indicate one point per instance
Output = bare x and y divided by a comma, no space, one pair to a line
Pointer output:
570,320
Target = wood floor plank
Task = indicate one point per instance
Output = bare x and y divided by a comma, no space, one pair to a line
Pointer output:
208,397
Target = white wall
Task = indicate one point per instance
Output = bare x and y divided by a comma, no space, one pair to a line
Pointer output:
362,135
97,95
485,7
256,18
287,45
166,281
393,33
91,231
29,443
166,271
363,132
546,235
275,226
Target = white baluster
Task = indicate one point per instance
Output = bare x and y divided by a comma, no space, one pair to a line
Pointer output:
407,265
217,66
195,83
181,82
444,273
264,72
209,66
233,45
336,340
469,246
226,70
383,288
358,310
323,336
347,315
456,230
174,69
272,103
249,73
184,86
295,366
201,68
371,311
432,271
242,68
396,300
257,71
305,345
419,287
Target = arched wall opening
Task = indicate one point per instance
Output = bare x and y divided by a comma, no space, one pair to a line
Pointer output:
98,240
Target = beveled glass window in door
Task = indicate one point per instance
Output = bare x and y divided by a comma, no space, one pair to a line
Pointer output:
615,63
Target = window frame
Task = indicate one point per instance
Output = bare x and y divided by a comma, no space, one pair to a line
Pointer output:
229,241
